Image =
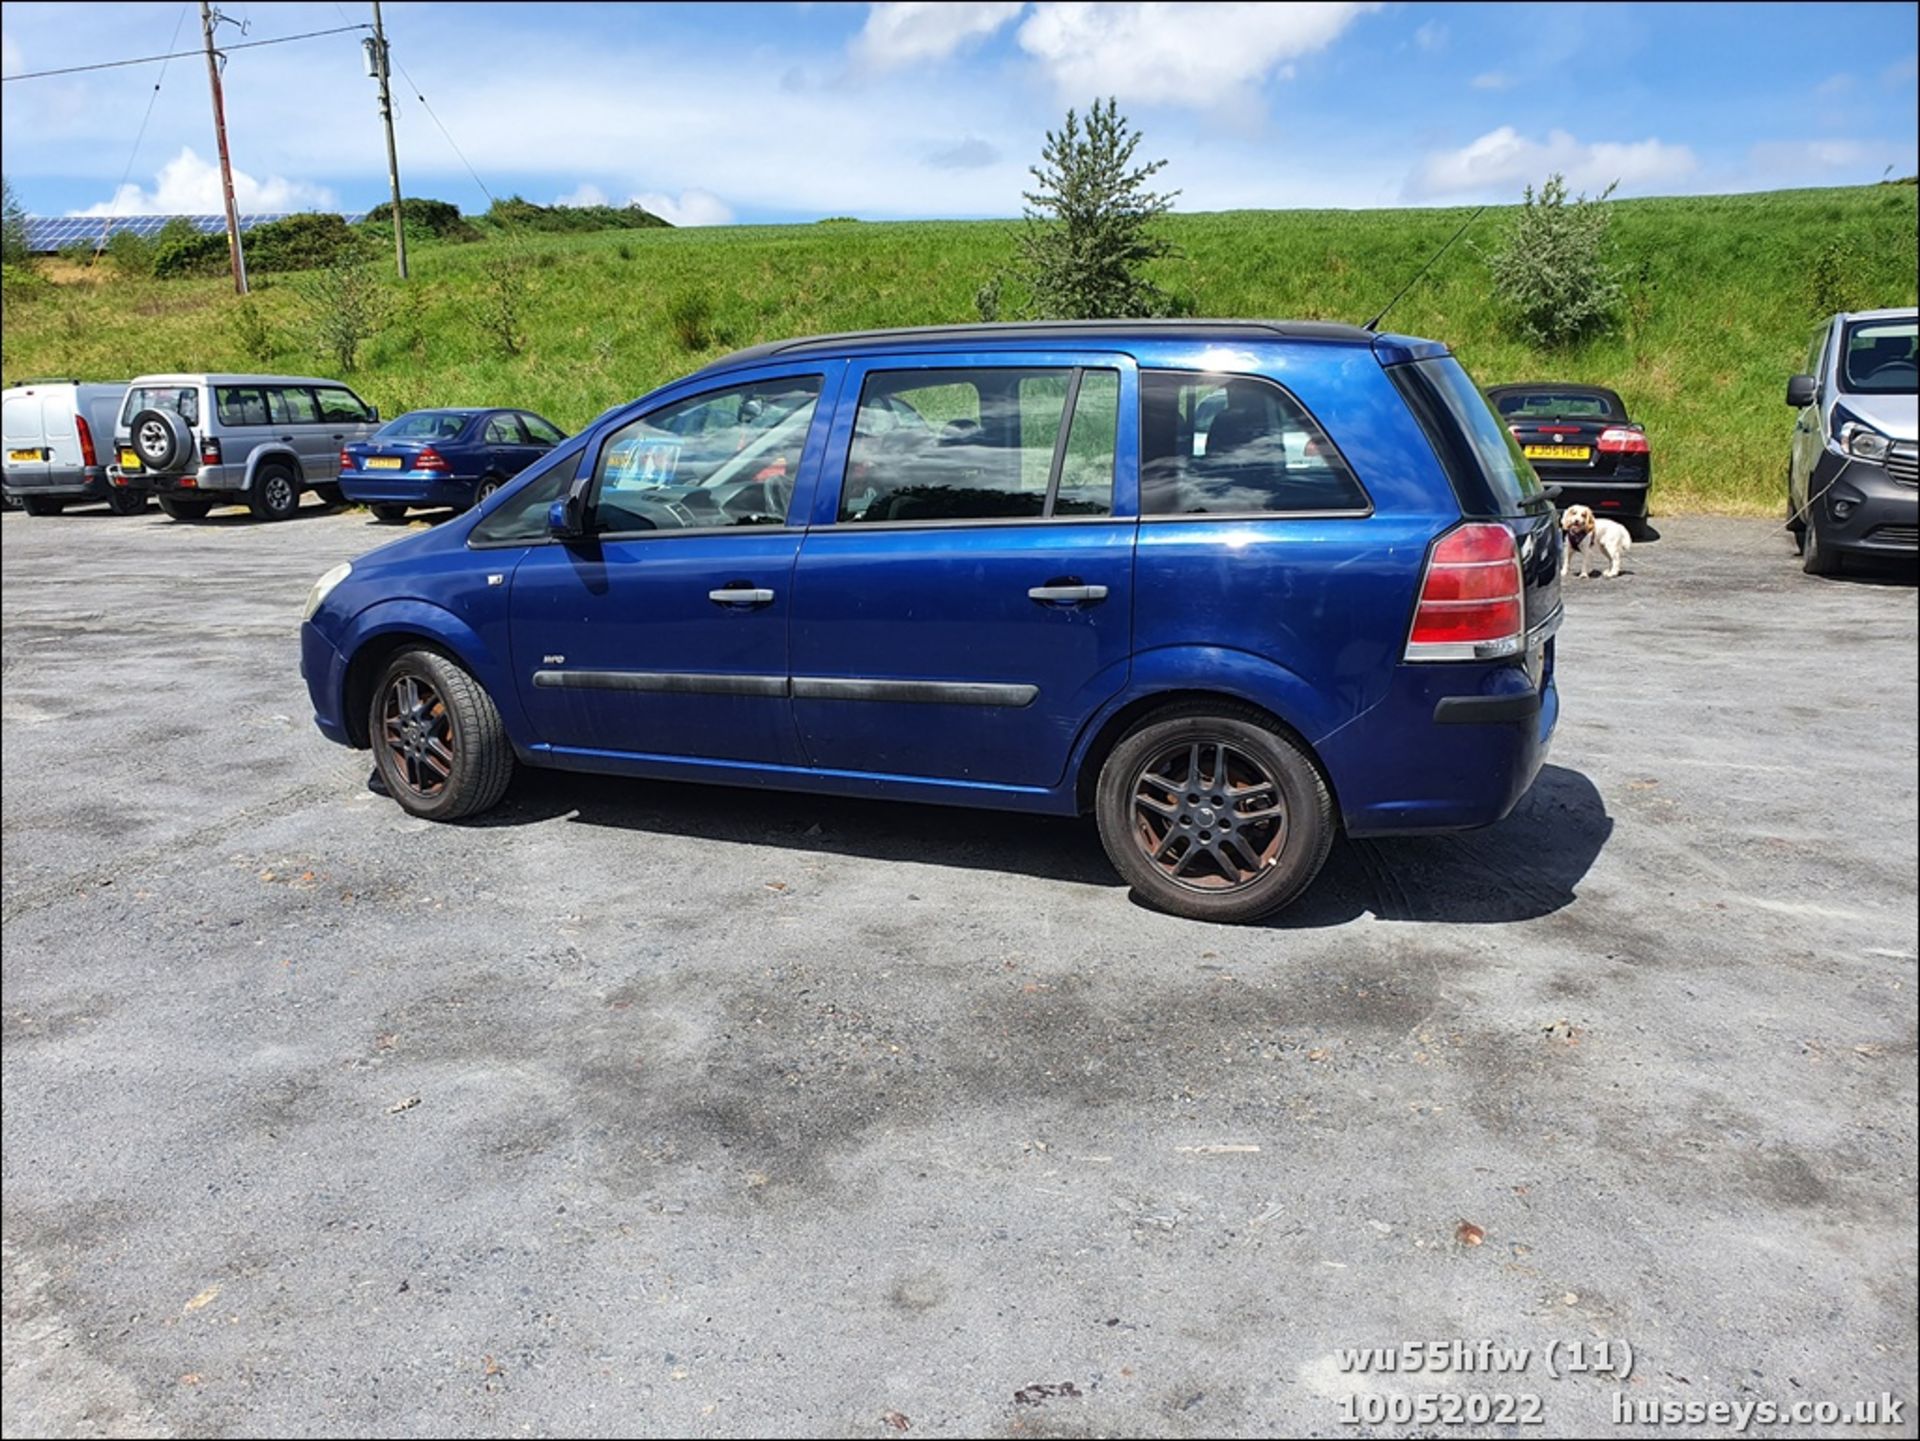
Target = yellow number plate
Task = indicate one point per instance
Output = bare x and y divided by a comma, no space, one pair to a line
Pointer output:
23,455
1558,452
129,461
384,462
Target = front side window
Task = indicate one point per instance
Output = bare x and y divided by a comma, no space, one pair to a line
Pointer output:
337,403
291,405
945,445
183,401
1879,358
1235,445
521,518
726,457
240,405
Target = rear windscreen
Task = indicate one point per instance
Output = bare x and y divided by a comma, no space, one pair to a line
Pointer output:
1556,405
1495,452
182,400
423,425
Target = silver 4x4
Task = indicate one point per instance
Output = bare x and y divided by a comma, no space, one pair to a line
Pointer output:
197,441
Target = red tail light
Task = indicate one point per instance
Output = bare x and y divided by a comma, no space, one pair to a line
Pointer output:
346,460
431,459
1472,604
210,450
87,457
1622,440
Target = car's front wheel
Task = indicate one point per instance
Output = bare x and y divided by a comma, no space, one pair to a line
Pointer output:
1817,556
1211,813
438,740
388,514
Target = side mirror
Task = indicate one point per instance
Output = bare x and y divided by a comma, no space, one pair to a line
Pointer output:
1802,391
373,412
567,519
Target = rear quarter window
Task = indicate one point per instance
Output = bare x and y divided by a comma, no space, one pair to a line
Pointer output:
1490,474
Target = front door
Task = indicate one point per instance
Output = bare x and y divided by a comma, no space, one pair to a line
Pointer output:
963,601
663,633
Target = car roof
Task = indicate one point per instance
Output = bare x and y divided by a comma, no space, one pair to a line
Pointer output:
1898,313
1036,334
210,378
451,410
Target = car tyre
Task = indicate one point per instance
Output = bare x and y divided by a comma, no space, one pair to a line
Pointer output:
389,514
489,484
1211,813
1817,557
43,505
161,439
275,494
122,500
330,494
176,509
438,741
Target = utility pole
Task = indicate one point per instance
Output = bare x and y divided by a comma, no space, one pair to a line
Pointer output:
381,69
226,163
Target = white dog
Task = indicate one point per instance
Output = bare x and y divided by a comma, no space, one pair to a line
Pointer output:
1586,533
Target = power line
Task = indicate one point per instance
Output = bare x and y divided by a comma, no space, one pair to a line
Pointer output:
182,54
145,120
414,86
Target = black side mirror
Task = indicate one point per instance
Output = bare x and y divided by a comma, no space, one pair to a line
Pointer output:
1802,391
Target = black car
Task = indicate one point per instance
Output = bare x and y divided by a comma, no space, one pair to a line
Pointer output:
1580,439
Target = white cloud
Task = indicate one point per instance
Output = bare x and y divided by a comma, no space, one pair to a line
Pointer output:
188,185
1838,84
1181,54
689,207
1431,36
1500,162
902,33
585,194
1492,80
11,61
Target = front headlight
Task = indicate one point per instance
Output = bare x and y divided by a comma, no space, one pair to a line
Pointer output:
1863,442
324,587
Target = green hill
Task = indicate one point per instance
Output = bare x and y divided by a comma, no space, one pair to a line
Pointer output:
1722,295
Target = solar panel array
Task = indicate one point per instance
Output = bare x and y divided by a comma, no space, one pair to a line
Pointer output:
46,234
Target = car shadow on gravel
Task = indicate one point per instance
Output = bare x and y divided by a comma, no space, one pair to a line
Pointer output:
1526,867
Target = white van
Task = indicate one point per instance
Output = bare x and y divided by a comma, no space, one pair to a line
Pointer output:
58,437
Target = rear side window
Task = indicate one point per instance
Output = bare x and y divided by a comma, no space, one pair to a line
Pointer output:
182,400
1235,445
543,432
1489,473
986,444
291,405
503,430
240,405
336,402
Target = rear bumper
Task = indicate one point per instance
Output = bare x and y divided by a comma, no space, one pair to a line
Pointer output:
88,483
1612,498
1881,515
405,487
1451,747
210,481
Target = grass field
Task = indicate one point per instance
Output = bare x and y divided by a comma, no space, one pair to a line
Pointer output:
1722,293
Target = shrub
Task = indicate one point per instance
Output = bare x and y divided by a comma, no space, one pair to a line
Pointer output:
131,254
195,253
422,219
311,241
1551,271
345,307
690,318
502,303
1835,279
251,332
13,227
515,213
1089,224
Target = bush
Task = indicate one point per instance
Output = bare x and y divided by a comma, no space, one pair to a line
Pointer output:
1551,272
131,254
502,303
1835,279
13,227
1089,225
422,219
195,253
251,332
690,318
514,213
346,308
311,241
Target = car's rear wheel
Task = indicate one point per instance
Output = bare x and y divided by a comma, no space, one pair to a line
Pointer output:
438,741
1817,556
275,494
488,485
43,505
388,513
175,508
1211,813
123,500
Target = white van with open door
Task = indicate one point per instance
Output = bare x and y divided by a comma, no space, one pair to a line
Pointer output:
58,436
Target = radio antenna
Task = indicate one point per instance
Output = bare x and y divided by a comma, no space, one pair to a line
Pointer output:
1374,324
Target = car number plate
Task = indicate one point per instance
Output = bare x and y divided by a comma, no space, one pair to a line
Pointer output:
1558,452
23,455
383,462
129,461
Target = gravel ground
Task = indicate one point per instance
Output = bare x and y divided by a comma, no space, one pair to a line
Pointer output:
647,1110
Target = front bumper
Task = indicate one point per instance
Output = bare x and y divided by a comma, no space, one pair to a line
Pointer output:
1862,510
324,670
405,487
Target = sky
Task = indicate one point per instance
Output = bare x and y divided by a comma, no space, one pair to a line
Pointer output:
713,114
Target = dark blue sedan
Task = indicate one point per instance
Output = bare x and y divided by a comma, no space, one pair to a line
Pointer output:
429,458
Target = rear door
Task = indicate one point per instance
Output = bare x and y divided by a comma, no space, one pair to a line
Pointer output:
963,601
29,449
294,417
508,452
344,417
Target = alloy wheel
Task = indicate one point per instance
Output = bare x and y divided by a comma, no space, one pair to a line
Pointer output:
417,730
1208,815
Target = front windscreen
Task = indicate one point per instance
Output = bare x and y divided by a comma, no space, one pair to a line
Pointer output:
1879,358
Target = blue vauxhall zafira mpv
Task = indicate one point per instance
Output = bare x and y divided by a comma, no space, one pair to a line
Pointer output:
1231,586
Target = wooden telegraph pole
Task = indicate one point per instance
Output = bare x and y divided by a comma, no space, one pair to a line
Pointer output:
226,163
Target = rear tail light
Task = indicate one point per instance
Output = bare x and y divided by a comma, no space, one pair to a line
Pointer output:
1472,604
431,459
1622,440
346,460
87,456
210,450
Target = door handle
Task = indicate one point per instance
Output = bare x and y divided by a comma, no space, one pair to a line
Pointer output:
1067,594
339,437
286,440
741,595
